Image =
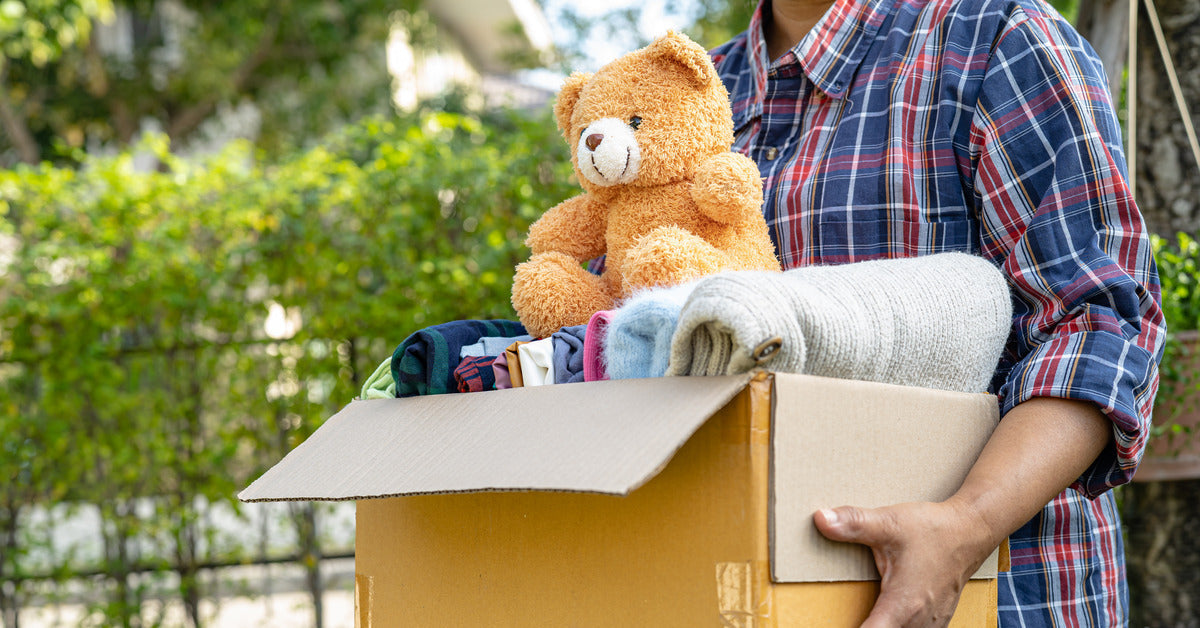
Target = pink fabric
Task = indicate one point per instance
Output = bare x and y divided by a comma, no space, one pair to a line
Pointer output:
593,346
500,368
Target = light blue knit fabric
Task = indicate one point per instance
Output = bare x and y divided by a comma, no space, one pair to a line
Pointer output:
638,343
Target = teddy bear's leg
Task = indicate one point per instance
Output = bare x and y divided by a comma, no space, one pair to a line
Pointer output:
552,291
668,256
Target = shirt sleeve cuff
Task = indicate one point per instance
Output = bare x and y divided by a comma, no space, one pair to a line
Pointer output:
1115,374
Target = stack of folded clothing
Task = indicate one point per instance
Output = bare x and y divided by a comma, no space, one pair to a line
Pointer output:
939,321
477,355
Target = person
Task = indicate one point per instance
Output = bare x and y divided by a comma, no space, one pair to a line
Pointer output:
891,128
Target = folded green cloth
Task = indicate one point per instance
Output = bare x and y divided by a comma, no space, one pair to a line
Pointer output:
380,384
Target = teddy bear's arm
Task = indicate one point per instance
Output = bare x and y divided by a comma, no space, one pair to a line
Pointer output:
574,227
728,188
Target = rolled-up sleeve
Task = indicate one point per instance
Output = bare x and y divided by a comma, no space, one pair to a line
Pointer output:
1057,214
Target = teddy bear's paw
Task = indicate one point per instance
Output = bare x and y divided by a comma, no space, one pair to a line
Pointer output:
669,256
728,188
552,291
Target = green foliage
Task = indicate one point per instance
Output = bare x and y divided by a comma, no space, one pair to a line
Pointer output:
1069,8
135,353
1179,278
40,30
308,65
708,22
715,22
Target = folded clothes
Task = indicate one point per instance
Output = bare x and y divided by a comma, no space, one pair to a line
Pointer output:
500,372
475,374
491,346
568,354
537,362
513,360
593,346
638,342
380,384
424,363
939,321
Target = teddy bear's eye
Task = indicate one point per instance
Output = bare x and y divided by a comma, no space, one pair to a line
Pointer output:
635,122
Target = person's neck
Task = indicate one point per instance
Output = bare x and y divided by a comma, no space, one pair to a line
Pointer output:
790,21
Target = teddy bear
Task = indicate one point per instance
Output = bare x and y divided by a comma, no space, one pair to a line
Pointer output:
665,200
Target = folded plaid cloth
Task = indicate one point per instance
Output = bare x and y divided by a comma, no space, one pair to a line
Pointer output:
475,374
424,363
939,321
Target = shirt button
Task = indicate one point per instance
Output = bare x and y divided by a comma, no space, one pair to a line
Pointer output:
771,153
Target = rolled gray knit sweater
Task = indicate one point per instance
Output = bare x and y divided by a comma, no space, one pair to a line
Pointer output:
939,321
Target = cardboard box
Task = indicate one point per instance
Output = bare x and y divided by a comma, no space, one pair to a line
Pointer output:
680,501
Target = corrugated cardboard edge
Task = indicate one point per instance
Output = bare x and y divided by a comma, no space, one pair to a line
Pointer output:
832,422
592,437
364,595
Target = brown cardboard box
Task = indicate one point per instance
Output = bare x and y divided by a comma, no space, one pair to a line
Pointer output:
665,502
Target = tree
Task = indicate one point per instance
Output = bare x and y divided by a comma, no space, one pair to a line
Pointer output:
33,36
1164,562
135,359
1166,169
307,65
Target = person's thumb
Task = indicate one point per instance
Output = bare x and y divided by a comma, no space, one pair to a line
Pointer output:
854,525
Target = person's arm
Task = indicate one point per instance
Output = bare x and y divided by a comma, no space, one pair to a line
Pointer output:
1047,177
926,552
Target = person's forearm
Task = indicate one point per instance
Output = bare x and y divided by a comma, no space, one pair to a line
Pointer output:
1040,447
925,551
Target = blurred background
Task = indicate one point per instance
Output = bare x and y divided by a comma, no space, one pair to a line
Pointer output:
216,219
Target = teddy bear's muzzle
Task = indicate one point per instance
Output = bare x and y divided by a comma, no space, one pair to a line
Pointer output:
608,153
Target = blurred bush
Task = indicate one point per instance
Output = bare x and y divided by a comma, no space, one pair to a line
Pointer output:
171,331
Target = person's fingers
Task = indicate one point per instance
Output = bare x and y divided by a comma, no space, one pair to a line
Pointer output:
888,612
908,542
896,608
869,526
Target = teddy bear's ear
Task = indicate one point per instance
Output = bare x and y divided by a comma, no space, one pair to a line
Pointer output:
567,97
678,48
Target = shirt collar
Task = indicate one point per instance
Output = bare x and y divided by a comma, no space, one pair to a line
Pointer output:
831,52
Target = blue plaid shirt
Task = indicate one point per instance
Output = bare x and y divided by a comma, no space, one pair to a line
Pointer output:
908,127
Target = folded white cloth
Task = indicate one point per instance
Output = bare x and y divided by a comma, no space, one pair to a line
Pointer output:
939,321
537,362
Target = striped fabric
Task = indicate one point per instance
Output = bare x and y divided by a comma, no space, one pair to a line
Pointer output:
424,363
475,374
908,127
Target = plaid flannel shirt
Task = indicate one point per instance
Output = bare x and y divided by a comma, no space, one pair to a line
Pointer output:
909,127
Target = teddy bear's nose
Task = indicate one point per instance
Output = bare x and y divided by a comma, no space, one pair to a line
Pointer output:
593,140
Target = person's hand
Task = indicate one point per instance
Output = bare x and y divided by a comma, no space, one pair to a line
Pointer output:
925,553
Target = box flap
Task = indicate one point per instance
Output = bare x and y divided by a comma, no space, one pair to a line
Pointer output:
596,437
848,443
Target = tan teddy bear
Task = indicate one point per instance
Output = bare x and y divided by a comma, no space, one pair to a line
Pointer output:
665,200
